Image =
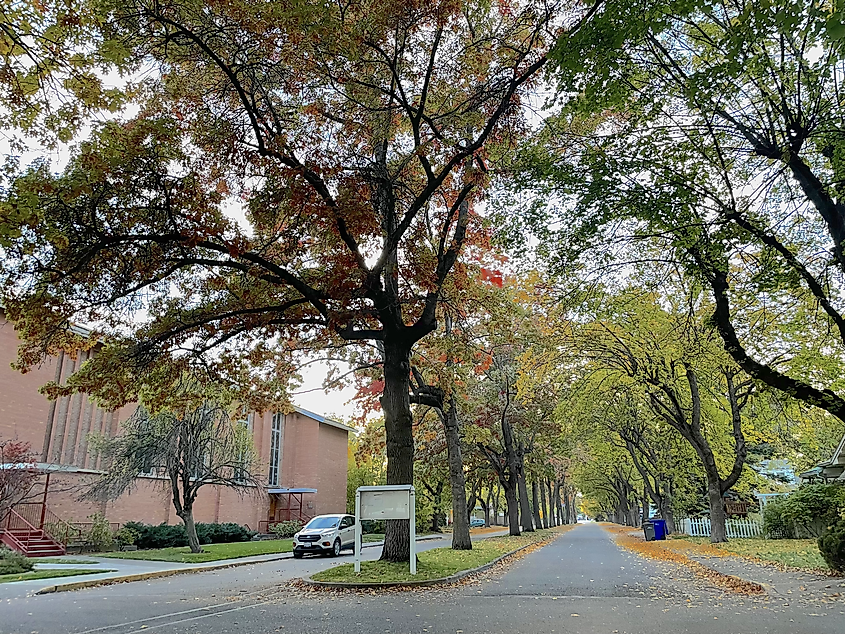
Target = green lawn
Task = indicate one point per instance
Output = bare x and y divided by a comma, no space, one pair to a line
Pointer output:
797,553
59,560
373,537
48,574
432,564
211,552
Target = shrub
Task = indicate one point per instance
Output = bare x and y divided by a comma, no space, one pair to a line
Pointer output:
99,535
161,536
286,529
776,525
167,536
125,537
372,526
811,508
223,533
13,562
832,546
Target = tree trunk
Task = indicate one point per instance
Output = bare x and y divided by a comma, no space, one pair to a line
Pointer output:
524,505
487,505
667,515
558,504
554,520
437,502
566,510
513,513
473,498
718,530
460,525
496,506
543,506
535,503
398,426
187,516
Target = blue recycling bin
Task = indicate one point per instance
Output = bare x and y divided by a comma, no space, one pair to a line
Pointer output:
659,529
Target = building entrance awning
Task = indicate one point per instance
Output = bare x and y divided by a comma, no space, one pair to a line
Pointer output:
280,491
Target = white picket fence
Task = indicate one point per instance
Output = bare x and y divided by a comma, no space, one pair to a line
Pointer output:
736,528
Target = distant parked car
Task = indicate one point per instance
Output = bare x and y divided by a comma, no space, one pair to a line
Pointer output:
325,535
475,522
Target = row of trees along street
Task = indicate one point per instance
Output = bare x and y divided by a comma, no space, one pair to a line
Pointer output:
560,246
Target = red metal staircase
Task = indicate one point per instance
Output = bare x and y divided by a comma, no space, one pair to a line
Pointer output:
30,537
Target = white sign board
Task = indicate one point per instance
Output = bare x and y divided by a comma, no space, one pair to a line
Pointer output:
389,502
385,505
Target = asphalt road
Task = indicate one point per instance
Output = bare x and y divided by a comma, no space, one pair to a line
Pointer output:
581,583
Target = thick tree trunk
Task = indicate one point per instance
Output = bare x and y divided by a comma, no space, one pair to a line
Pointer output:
398,425
524,505
187,516
535,504
718,530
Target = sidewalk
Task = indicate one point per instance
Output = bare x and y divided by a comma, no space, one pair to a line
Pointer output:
124,570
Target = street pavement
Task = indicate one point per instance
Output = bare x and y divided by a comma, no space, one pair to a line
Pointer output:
580,583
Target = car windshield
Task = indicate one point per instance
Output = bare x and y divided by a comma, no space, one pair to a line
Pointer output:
323,522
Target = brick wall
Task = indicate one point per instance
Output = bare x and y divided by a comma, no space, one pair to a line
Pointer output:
313,453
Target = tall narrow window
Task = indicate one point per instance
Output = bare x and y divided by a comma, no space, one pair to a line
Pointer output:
244,435
275,448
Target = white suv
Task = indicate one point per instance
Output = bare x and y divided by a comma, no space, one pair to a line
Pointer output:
325,534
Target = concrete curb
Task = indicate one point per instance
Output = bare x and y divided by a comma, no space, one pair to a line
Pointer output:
143,576
340,585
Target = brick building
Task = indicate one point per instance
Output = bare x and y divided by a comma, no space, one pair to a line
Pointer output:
302,455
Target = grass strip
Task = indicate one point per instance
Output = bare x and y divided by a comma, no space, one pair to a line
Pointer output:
211,552
802,554
49,574
435,563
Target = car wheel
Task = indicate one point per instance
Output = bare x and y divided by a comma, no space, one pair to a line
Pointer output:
297,555
336,548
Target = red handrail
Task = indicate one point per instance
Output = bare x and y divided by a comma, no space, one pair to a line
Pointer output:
60,530
13,521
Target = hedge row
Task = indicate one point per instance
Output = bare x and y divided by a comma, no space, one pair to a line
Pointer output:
167,536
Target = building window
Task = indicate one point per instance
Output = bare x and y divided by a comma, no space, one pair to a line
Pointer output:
275,448
244,428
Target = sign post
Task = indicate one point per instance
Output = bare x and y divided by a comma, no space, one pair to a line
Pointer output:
389,502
